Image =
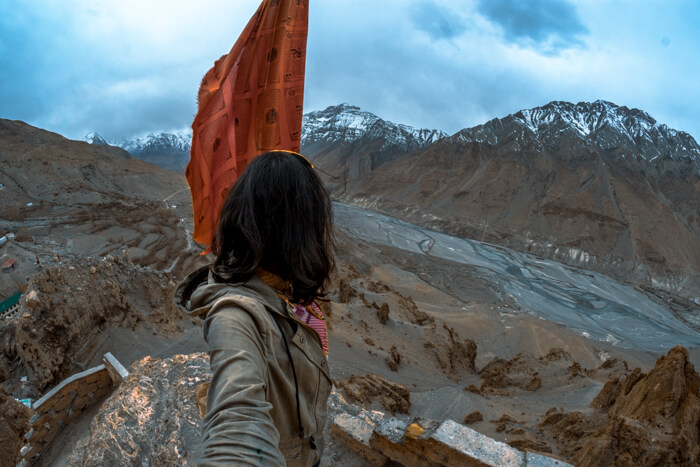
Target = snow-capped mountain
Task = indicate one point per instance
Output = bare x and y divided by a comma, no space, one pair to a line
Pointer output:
342,124
96,139
600,124
168,150
595,184
336,125
177,142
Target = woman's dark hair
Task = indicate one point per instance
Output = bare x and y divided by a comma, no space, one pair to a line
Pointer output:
277,216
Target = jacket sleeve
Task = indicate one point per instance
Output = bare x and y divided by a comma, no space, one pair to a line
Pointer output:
238,427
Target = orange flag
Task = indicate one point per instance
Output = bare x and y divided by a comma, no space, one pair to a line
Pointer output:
250,102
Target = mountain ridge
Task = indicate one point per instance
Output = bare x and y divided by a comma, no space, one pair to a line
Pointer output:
601,122
634,132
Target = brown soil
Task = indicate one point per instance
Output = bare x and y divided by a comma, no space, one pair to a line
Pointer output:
393,359
426,315
531,445
366,389
383,313
14,423
473,417
503,422
524,371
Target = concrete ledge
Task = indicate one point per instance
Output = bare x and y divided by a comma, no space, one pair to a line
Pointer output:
537,460
116,370
454,441
381,439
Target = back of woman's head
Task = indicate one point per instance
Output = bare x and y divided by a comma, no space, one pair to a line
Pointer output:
277,216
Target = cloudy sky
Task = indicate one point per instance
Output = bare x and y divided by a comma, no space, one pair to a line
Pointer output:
125,68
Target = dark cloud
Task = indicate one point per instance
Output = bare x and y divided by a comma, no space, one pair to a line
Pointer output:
427,63
52,78
547,25
439,22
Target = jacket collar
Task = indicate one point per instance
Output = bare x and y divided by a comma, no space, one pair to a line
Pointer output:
199,291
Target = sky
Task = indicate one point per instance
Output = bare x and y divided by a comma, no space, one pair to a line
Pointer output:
126,68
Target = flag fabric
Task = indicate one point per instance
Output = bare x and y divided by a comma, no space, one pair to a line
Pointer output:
250,102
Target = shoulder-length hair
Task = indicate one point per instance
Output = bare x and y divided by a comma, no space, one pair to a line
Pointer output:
277,216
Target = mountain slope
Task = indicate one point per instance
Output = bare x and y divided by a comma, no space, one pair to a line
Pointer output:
68,199
590,184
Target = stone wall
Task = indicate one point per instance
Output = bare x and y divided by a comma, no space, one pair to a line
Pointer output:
66,402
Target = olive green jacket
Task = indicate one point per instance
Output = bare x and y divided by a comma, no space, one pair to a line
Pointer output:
252,415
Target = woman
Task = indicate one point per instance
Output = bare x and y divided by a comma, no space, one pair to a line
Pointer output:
266,336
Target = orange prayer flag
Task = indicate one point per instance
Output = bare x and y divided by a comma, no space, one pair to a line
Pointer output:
250,102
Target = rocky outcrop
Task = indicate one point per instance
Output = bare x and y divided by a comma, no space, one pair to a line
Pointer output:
14,424
72,304
524,371
153,416
364,390
654,419
644,420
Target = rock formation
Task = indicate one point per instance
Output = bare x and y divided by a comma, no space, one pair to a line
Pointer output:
651,419
14,423
152,416
72,304
393,397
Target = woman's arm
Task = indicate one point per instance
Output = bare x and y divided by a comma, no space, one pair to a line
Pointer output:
237,428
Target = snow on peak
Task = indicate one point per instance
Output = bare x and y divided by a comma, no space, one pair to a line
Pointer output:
96,139
588,118
618,129
178,140
348,123
166,142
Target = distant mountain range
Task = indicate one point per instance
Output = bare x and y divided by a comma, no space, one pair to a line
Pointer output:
168,150
591,184
603,125
341,124
626,132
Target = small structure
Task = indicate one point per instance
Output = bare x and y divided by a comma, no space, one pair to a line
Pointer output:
66,402
10,307
9,265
